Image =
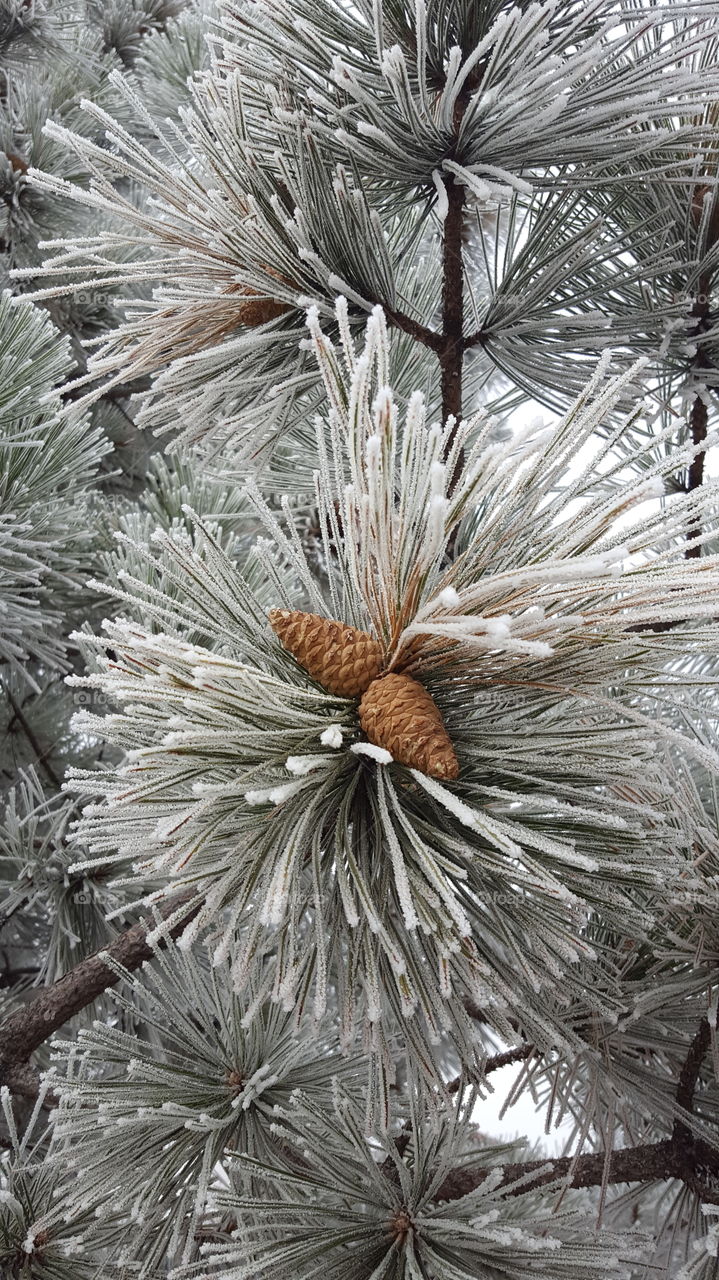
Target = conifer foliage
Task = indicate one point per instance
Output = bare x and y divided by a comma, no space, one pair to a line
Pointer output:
358,638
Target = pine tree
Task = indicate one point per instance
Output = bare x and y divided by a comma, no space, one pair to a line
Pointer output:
359,642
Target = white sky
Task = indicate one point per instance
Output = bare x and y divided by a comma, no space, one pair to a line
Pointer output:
520,1120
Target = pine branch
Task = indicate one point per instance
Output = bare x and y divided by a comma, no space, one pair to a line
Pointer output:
648,1163
28,1027
24,1081
516,1054
689,1077
689,1159
475,339
40,753
698,427
452,352
702,361
420,332
451,355
699,416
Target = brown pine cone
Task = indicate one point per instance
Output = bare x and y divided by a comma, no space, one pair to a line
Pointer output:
398,713
17,162
257,308
342,659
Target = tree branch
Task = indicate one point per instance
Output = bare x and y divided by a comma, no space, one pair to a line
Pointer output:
40,754
475,339
689,1077
452,350
24,1081
648,1163
518,1053
683,1156
702,360
451,355
698,422
426,336
28,1027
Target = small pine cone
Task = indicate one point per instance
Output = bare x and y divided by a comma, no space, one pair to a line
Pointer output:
18,163
258,310
697,206
342,659
398,713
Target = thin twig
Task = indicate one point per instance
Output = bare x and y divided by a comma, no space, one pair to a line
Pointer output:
689,1159
31,736
428,337
452,350
519,1053
689,1078
698,424
25,1029
475,339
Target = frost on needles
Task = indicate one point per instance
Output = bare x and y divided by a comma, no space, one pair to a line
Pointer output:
387,324
535,640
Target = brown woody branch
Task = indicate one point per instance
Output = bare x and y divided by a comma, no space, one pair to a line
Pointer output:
683,1156
650,1162
41,753
452,350
702,361
28,1027
701,312
428,337
498,1060
689,1077
474,339
698,417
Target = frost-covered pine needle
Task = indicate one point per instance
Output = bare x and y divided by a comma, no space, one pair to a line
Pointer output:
248,782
